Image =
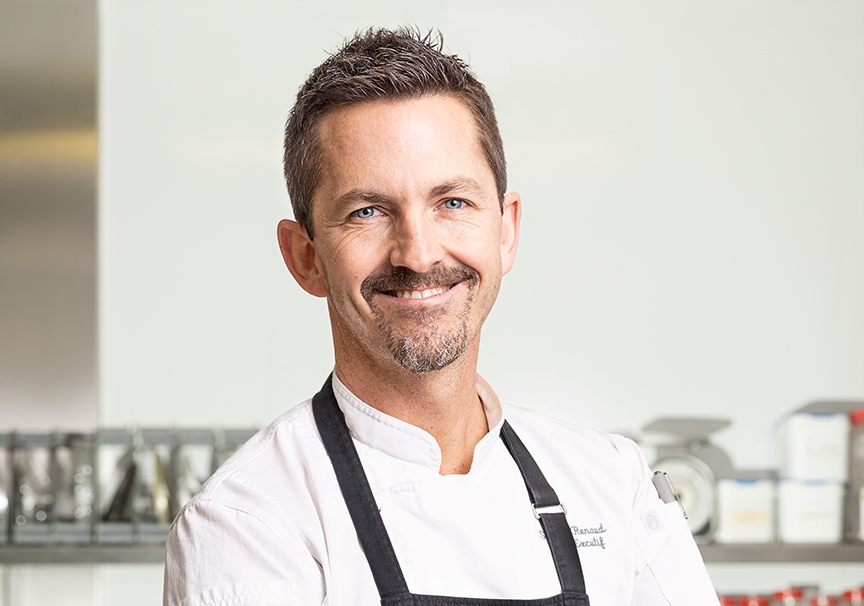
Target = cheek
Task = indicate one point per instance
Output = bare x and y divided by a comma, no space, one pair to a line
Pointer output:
480,249
346,266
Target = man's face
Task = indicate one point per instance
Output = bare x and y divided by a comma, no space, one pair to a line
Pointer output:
410,239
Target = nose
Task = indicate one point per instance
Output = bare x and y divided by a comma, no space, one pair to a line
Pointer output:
416,242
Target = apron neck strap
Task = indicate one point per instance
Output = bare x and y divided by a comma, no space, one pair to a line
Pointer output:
555,527
357,493
370,527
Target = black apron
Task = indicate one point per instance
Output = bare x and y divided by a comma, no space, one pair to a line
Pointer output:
376,542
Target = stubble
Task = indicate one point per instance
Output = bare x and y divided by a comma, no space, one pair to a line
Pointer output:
434,342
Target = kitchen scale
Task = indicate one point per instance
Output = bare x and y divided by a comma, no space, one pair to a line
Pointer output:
693,465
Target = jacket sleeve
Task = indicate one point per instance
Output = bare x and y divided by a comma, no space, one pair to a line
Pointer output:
216,555
670,571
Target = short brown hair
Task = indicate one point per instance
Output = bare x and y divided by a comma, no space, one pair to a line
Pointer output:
374,65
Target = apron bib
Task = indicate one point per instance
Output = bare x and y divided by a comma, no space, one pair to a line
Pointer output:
376,542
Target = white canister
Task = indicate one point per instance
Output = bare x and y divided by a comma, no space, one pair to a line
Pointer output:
814,446
745,509
810,511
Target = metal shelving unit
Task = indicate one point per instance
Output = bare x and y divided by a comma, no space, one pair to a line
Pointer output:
155,553
782,553
82,554
106,497
131,537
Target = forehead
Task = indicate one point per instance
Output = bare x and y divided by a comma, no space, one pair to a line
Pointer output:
403,143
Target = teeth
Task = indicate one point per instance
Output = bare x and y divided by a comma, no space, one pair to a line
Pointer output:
420,294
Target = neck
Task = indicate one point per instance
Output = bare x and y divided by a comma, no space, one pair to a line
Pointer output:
443,403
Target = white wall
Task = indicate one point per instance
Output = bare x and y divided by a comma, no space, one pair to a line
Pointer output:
58,585
693,178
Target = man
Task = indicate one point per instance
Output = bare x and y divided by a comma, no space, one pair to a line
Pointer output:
405,481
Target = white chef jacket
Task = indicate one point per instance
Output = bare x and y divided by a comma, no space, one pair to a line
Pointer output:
271,526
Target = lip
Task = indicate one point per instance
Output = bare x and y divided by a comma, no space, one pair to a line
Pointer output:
385,287
421,296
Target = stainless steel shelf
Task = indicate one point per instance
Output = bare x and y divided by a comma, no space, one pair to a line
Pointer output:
782,553
82,554
155,553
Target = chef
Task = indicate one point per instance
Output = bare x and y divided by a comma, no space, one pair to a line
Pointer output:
405,481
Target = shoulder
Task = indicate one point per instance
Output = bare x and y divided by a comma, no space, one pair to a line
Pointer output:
285,449
245,483
252,522
607,462
217,555
568,436
264,486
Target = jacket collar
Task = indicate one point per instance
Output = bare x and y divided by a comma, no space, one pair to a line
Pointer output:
404,441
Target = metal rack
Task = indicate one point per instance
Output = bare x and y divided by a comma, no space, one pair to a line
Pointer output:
116,523
155,554
101,497
714,552
82,554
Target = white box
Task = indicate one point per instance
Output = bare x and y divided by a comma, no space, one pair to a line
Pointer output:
814,446
810,512
745,510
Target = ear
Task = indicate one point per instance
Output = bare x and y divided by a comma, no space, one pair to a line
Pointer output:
510,219
300,256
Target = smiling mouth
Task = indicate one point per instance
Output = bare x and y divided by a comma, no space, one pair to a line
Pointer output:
403,284
419,294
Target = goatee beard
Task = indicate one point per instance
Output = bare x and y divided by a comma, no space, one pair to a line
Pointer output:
429,346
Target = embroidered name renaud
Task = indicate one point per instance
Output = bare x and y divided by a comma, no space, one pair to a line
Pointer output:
583,541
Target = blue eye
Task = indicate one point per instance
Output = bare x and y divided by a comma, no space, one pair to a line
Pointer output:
365,213
454,204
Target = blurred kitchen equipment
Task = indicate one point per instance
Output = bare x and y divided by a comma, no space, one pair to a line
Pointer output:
34,485
814,445
5,485
692,463
854,512
810,511
745,507
75,490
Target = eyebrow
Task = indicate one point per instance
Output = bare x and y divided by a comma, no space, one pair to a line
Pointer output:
355,195
372,197
456,185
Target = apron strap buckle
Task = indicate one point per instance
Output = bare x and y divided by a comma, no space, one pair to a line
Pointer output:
543,510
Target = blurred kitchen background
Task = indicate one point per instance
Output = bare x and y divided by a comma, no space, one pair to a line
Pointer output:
692,247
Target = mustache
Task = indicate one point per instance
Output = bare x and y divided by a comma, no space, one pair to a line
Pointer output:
402,278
